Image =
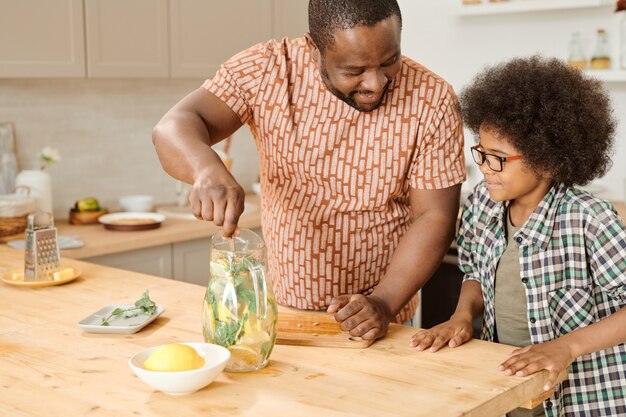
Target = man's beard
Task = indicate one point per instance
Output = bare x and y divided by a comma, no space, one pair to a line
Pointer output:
347,98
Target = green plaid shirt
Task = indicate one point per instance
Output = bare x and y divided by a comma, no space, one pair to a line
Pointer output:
573,265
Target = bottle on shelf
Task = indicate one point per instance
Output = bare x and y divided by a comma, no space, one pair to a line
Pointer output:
601,58
621,7
576,57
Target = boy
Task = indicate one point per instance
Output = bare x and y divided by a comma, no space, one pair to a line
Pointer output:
544,262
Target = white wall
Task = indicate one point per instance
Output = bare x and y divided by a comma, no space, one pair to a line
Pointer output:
103,131
457,47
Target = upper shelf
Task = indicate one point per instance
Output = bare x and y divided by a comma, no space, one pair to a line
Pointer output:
608,76
522,6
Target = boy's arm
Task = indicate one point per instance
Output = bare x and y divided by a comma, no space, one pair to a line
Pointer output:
558,354
605,238
458,329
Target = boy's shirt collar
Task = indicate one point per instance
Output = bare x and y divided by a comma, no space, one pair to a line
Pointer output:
538,228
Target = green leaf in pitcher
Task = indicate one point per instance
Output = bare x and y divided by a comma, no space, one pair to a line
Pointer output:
249,298
226,332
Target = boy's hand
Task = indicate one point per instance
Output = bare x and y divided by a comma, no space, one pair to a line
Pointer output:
453,332
554,356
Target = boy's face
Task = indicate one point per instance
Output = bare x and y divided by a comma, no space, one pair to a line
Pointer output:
516,181
362,63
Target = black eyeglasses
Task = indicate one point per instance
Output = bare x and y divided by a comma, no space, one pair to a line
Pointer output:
494,162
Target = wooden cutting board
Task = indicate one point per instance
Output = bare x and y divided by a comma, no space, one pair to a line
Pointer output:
314,328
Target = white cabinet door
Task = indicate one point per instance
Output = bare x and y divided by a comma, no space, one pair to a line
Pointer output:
191,261
127,38
42,38
154,261
291,18
204,34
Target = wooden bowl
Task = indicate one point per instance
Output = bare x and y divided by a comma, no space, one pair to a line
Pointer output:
86,217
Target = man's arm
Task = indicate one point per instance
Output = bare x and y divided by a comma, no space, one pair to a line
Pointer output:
416,258
422,247
183,139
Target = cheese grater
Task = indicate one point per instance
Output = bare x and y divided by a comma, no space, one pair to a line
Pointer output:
41,257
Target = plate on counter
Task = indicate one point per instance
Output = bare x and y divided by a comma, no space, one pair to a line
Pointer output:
17,278
131,221
118,325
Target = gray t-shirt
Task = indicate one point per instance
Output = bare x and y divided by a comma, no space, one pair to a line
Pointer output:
511,306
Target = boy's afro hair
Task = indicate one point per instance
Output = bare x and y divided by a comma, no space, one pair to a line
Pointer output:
560,120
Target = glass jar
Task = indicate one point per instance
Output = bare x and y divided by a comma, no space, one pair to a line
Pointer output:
239,310
576,57
601,58
622,44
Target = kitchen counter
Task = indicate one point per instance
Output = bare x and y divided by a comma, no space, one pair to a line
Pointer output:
50,367
99,241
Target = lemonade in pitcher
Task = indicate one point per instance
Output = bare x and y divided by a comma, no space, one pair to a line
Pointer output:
239,309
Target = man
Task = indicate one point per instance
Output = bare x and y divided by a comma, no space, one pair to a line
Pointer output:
361,162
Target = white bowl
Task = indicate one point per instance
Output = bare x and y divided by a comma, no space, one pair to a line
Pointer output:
182,382
137,203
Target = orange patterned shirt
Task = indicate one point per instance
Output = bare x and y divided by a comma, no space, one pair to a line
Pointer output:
335,181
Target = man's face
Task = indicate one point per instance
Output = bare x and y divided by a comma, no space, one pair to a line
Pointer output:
361,64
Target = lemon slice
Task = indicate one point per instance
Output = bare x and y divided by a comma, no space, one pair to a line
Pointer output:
173,358
219,268
243,357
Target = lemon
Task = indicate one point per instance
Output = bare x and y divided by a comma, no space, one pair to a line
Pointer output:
243,357
173,357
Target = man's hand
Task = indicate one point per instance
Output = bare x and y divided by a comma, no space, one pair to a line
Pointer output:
453,332
360,315
554,356
217,197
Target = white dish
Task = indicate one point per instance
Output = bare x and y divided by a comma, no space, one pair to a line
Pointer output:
128,221
183,382
119,325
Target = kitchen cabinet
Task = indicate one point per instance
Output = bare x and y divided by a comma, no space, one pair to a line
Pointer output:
137,38
183,261
156,260
191,261
205,34
186,261
42,39
126,38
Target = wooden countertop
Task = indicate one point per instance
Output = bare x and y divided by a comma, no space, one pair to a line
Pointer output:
100,241
50,367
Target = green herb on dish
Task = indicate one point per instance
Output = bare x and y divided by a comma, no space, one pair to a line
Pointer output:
142,306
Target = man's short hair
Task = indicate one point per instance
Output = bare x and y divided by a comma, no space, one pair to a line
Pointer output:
328,16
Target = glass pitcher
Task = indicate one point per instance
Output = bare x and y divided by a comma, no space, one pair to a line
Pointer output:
239,309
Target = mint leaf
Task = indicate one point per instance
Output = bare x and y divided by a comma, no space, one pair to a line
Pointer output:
143,305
